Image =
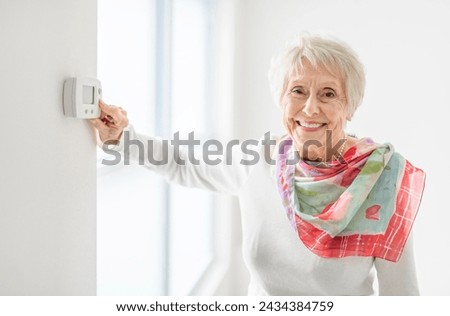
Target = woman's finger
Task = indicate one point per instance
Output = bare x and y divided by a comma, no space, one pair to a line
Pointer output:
98,124
107,119
109,110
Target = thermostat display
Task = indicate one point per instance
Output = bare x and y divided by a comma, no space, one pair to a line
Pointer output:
81,97
88,94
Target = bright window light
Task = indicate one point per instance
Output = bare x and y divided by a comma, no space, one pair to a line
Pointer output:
154,238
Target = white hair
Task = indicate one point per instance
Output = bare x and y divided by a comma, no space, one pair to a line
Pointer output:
319,51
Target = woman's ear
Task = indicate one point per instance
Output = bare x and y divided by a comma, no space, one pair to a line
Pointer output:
349,117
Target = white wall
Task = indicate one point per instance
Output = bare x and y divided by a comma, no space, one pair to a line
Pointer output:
47,161
404,46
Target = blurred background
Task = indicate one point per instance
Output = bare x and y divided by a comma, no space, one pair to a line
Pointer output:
69,226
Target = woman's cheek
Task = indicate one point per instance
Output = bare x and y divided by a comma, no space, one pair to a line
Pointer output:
286,116
339,114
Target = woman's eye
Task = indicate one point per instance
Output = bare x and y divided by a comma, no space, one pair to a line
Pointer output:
297,91
329,94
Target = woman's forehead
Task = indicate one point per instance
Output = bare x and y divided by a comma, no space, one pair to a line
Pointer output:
321,73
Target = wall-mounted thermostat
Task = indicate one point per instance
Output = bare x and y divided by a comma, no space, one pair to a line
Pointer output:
81,97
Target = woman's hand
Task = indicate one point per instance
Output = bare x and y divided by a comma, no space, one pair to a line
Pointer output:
111,123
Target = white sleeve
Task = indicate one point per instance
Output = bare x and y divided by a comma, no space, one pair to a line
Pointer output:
398,278
163,158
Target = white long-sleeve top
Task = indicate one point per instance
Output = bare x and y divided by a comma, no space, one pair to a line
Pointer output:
278,262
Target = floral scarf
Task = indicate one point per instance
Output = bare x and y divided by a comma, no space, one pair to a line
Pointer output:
364,205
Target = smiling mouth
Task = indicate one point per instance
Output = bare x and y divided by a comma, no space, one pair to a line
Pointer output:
310,125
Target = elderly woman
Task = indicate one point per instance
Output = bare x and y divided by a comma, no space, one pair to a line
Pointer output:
334,209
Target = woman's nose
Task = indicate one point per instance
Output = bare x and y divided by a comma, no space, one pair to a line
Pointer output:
311,106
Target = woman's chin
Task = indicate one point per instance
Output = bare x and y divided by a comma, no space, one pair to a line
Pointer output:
316,137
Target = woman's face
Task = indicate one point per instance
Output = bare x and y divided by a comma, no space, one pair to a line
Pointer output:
314,102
